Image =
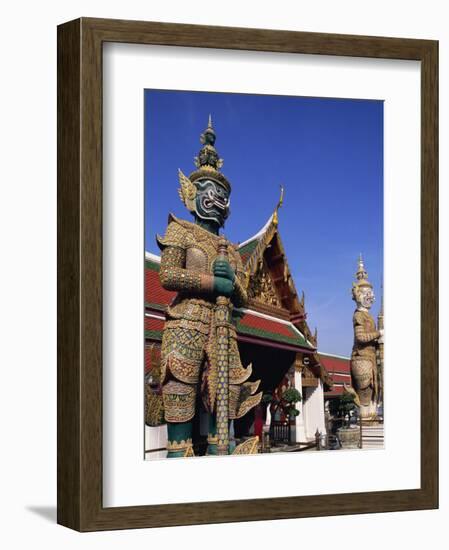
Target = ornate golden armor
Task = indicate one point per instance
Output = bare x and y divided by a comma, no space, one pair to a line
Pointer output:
364,377
188,355
363,357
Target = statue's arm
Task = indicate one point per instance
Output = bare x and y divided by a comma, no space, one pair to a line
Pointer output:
173,273
363,336
174,276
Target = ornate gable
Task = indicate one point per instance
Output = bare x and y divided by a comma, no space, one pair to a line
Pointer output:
272,289
262,288
271,283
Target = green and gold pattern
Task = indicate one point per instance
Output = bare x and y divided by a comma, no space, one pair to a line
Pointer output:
199,347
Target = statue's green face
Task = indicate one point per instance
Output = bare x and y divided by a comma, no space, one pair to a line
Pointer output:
212,201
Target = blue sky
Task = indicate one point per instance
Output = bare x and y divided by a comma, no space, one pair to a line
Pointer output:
328,155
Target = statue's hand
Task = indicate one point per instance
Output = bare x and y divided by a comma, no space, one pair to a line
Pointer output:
380,340
223,286
222,268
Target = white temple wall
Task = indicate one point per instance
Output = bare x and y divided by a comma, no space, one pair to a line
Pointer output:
320,404
300,431
313,411
155,438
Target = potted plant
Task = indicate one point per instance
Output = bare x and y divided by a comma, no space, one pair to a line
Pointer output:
348,435
285,405
346,405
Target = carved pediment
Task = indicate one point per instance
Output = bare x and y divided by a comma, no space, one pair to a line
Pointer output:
309,379
308,373
262,287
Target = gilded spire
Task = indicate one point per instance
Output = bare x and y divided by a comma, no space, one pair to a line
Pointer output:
362,277
361,272
208,158
279,204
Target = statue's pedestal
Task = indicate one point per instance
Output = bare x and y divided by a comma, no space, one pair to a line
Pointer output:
349,437
369,412
373,435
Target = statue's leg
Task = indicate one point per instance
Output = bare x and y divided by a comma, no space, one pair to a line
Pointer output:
212,435
375,397
362,372
180,439
179,408
182,354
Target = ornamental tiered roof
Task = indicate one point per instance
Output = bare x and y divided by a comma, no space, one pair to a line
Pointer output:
247,249
339,369
264,327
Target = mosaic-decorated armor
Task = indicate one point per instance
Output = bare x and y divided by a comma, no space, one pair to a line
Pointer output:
191,267
364,375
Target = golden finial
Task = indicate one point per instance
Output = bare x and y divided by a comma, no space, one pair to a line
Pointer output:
362,278
279,204
281,198
361,272
208,158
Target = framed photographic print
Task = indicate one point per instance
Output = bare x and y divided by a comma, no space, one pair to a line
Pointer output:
247,288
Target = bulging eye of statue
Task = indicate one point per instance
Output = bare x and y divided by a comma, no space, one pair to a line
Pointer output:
212,201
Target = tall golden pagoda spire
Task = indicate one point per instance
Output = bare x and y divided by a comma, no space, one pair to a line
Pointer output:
361,276
208,158
361,273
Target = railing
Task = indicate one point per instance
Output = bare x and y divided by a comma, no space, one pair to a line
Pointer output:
280,432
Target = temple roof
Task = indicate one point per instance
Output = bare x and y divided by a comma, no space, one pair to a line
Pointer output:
247,248
266,245
335,363
270,328
339,370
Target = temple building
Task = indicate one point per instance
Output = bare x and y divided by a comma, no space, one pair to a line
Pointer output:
339,369
272,334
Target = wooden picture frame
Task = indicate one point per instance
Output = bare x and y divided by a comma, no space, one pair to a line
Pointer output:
80,351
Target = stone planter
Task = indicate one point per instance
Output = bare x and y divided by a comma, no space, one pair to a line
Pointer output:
349,437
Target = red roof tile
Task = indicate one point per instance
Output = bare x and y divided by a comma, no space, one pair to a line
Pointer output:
270,329
247,249
340,379
154,324
154,293
336,390
335,364
261,323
